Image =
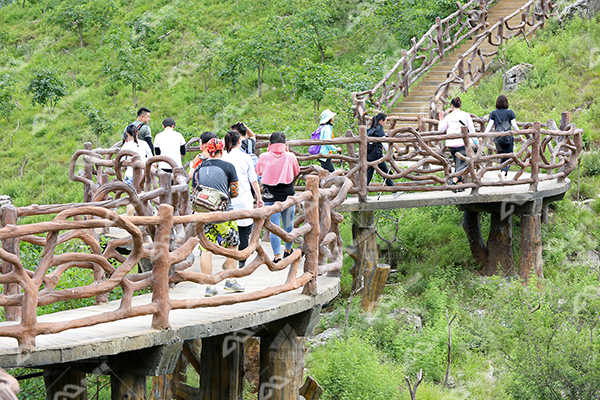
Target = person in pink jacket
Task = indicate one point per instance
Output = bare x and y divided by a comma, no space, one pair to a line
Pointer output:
278,167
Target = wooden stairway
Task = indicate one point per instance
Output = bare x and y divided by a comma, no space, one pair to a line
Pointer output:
417,102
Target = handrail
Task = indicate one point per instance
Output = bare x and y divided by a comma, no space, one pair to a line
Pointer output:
443,37
316,230
419,160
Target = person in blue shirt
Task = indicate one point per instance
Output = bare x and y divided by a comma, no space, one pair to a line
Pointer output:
326,124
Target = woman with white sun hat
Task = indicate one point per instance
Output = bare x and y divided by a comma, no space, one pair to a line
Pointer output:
326,132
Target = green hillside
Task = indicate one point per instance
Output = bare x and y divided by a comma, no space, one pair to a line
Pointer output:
198,61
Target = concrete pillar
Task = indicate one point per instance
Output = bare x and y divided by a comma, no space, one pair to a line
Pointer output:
222,368
65,384
531,246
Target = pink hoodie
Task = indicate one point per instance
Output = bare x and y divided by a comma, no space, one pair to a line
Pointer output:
277,165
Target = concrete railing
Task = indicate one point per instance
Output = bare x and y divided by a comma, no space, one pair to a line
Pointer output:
166,239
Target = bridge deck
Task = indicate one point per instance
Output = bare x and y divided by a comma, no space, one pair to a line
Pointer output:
136,333
489,194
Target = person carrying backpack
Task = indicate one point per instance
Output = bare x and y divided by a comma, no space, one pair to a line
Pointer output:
141,123
502,119
375,150
325,131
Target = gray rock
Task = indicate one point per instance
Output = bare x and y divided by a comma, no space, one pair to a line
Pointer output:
514,76
4,199
324,337
585,9
409,316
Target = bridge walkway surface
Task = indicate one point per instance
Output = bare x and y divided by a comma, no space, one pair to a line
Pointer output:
136,333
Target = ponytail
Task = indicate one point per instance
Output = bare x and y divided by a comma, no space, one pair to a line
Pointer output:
132,130
232,138
377,118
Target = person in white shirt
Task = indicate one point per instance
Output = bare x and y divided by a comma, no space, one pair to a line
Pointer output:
169,143
452,124
139,146
244,167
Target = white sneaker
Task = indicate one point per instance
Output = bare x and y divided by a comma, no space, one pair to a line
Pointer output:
397,194
500,176
210,291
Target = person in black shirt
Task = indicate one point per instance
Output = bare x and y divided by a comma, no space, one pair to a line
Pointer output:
502,119
221,175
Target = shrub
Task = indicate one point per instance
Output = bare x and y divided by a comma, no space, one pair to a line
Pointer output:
590,163
46,87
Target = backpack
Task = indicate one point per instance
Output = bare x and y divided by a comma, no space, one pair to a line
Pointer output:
315,148
248,147
371,146
206,199
138,125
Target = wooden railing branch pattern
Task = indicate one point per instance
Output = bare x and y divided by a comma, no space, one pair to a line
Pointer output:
165,234
469,21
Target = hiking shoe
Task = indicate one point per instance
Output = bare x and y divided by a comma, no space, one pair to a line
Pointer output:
233,286
397,194
276,260
210,291
287,253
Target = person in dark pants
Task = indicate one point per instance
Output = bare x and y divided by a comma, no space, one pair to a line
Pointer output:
375,150
502,119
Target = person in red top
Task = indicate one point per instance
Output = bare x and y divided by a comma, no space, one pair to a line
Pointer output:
278,167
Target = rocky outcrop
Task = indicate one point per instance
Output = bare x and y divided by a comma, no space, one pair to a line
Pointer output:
4,199
514,76
585,9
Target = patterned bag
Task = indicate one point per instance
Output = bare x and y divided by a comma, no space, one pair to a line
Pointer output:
207,199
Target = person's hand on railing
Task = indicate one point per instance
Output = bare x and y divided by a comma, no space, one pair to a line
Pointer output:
339,150
259,203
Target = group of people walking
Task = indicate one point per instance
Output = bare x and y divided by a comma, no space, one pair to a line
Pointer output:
231,167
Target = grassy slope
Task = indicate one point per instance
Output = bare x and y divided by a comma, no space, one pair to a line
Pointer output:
49,139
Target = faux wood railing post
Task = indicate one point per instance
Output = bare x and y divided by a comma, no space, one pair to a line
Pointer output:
565,120
471,160
362,160
311,240
165,182
87,173
9,216
160,272
535,157
439,38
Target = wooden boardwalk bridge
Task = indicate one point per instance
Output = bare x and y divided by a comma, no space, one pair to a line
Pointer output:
151,330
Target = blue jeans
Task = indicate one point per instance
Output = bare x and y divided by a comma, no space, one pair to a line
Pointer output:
287,219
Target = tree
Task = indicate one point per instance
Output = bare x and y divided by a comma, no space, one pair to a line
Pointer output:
101,14
72,15
260,48
8,101
317,21
205,54
131,65
98,122
312,80
182,16
231,63
46,87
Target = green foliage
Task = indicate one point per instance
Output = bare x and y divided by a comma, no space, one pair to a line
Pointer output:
352,369
99,123
8,101
411,18
590,163
312,80
131,65
46,87
549,340
101,13
72,15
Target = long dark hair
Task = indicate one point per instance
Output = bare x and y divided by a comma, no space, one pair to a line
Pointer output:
132,130
377,118
232,138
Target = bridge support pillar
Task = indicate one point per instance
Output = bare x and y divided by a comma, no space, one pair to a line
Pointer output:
368,275
499,245
127,387
531,246
65,384
222,368
281,365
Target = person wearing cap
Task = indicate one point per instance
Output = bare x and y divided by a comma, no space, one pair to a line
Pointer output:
169,143
326,124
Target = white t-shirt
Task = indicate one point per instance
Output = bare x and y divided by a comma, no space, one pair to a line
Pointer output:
244,167
142,148
169,142
452,124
